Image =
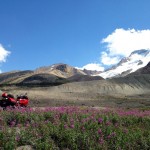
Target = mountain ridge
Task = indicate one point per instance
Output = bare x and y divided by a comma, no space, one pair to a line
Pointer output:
63,73
136,60
50,75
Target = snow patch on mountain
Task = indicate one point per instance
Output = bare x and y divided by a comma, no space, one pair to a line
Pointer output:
135,61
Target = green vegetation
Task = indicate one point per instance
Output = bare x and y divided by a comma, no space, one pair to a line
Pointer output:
75,128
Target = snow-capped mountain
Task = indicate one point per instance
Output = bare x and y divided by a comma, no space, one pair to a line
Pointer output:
127,65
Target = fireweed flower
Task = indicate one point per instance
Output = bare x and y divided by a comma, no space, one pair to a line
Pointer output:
101,141
72,126
71,120
17,138
65,126
109,136
100,120
113,134
83,120
99,131
46,121
108,123
116,125
12,123
19,125
82,128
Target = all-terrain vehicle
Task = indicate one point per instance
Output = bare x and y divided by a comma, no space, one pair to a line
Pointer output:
8,100
22,100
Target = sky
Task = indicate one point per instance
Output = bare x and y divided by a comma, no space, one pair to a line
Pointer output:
91,34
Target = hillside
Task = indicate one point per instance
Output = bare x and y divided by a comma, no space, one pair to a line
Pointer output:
79,78
14,77
52,75
42,79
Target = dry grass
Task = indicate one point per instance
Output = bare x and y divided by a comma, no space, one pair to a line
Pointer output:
51,96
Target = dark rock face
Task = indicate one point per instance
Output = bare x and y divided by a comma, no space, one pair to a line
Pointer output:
62,67
140,62
146,69
123,60
140,52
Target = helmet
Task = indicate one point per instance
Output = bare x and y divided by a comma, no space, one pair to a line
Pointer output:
4,95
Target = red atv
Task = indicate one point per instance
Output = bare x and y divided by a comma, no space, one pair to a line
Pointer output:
22,100
9,100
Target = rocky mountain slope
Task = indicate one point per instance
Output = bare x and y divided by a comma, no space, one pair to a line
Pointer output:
79,78
62,73
61,70
52,75
14,76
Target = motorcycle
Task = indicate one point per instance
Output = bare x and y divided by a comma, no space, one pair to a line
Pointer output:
8,100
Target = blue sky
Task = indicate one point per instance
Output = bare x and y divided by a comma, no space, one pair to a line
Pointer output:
36,33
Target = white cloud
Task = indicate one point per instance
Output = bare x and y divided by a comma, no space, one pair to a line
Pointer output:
3,53
109,60
93,66
122,42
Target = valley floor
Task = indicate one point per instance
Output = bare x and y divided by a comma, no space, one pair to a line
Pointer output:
46,96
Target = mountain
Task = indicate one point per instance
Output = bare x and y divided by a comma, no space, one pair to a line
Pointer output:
60,70
14,76
91,72
62,73
79,78
51,75
127,65
143,70
42,79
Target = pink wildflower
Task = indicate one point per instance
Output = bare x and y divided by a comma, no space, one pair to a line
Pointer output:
12,123
113,134
17,138
72,126
108,123
65,126
109,136
101,141
99,131
100,120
